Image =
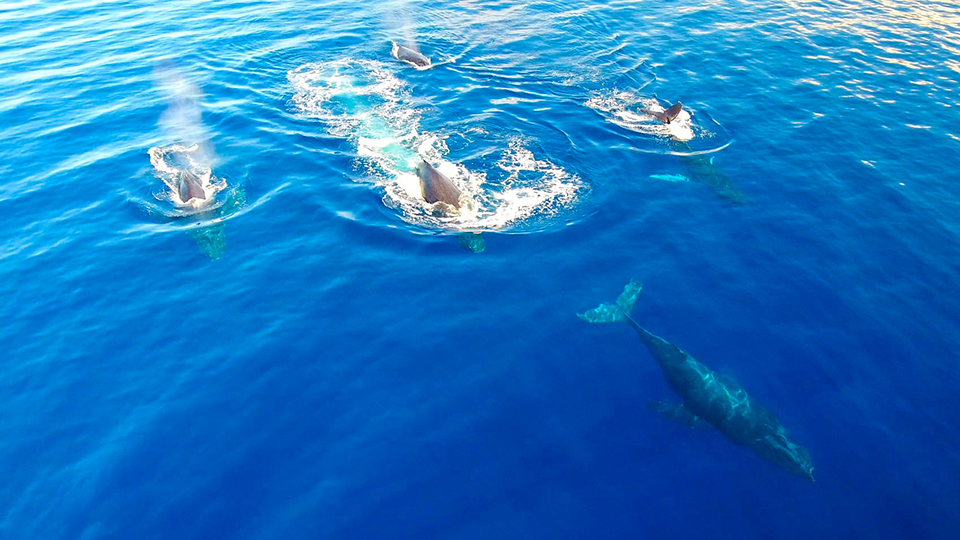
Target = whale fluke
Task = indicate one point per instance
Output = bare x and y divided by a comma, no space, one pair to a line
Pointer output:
189,187
605,313
668,115
436,187
409,55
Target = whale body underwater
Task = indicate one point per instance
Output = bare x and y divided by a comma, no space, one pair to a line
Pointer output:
715,400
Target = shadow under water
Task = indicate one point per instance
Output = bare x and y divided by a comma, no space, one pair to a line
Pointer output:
702,170
212,239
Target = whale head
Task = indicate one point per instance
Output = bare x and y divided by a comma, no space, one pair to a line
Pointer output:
410,56
189,187
435,187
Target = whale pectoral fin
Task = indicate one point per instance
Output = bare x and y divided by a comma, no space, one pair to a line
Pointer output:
678,413
670,177
472,241
196,191
667,115
670,114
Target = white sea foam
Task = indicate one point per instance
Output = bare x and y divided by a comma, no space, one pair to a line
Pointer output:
364,102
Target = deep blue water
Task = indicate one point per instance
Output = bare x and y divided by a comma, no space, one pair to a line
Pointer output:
315,355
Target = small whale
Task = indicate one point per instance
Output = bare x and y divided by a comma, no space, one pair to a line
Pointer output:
410,56
708,397
703,170
701,167
189,187
668,115
436,187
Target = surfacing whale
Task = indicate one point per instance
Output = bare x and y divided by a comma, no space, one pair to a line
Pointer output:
409,56
436,187
707,397
189,187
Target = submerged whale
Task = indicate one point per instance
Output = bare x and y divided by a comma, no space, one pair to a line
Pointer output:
189,187
709,398
409,55
436,187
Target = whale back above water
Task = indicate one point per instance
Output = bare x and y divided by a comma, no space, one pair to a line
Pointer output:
189,187
436,187
409,55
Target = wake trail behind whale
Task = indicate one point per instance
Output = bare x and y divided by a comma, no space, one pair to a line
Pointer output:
364,102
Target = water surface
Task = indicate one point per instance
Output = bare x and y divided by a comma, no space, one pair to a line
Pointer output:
317,355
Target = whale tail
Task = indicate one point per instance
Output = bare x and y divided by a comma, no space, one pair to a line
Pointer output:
616,312
668,115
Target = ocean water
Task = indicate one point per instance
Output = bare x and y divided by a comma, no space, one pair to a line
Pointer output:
313,353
